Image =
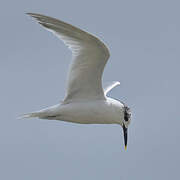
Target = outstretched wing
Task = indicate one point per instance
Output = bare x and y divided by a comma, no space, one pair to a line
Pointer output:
89,59
109,86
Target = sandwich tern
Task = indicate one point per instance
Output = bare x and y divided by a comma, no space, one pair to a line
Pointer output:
86,100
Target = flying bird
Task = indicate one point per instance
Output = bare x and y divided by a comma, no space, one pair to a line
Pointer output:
86,100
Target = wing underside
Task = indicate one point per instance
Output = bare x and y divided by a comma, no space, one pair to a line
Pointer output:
89,57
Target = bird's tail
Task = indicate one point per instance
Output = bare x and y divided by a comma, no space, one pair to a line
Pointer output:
47,113
30,115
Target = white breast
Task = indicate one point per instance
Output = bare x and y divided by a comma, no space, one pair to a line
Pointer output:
107,111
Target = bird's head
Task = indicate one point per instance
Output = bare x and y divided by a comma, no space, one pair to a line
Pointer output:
125,123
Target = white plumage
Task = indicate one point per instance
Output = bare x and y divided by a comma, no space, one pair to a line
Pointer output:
85,100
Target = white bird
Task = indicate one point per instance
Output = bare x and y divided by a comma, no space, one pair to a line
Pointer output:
86,101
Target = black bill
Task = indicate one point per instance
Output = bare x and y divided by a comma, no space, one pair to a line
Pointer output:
125,130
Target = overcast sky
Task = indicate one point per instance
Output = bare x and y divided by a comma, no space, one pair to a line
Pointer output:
144,41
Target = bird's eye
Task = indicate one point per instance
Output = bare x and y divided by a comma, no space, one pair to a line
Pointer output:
126,118
127,114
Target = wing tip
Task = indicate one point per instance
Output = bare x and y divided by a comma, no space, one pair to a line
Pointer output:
29,14
118,83
34,15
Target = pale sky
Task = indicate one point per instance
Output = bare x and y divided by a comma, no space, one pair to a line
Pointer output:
144,41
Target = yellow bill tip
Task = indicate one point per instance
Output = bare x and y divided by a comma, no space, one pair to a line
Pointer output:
125,147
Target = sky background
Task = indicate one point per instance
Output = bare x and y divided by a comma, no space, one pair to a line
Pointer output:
144,41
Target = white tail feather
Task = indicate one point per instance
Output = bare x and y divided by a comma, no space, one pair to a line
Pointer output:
42,114
29,115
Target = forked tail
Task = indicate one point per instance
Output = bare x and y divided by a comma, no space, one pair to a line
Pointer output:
47,113
31,115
